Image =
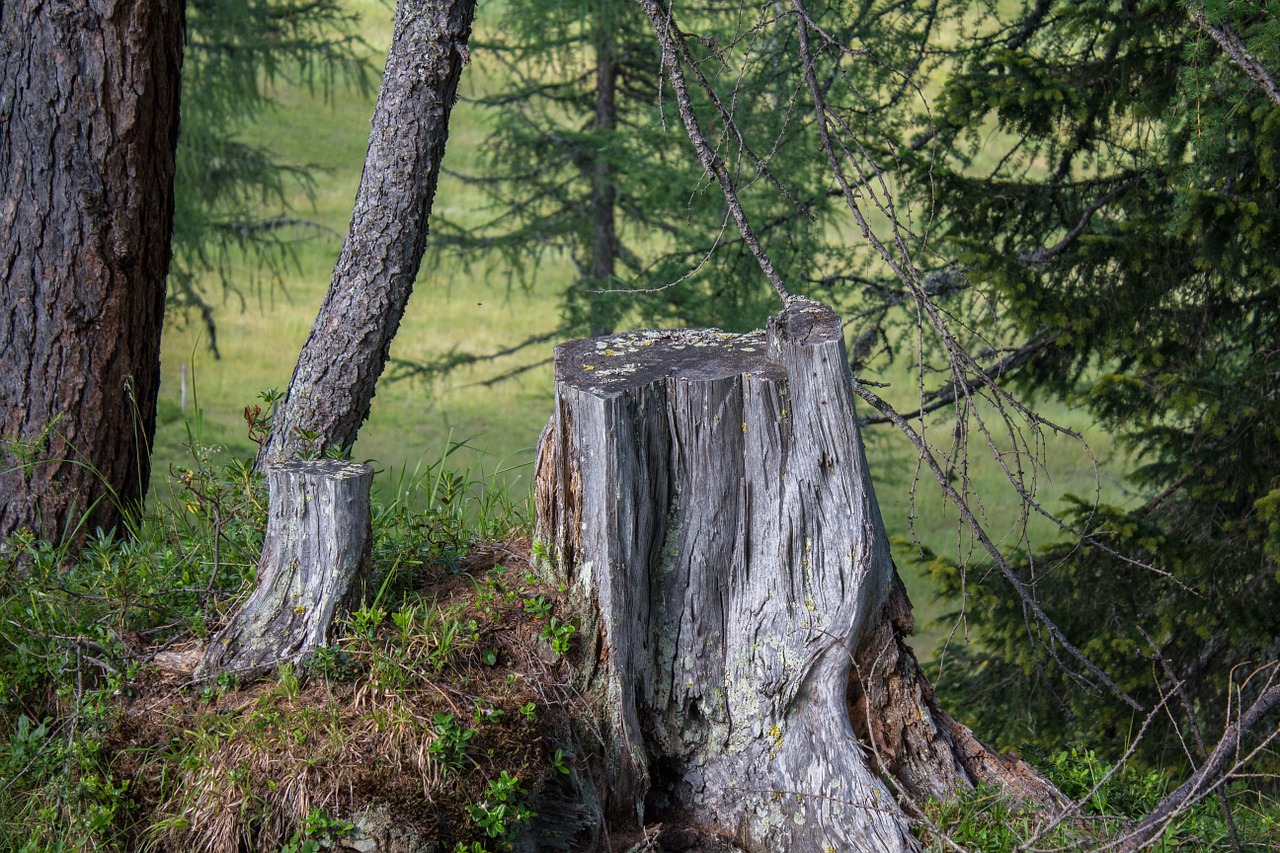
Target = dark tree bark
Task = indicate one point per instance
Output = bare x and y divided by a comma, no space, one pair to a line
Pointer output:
333,384
706,501
604,192
315,554
88,127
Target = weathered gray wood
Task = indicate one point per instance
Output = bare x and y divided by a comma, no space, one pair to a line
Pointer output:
705,499
317,545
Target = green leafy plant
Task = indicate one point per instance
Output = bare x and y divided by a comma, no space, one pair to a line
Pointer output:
485,712
366,621
309,441
559,633
537,607
501,813
320,824
331,663
258,420
451,741
297,844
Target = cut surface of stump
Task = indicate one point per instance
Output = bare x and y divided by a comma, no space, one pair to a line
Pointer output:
317,545
705,499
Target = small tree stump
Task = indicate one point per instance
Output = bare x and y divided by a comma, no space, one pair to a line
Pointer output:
317,544
705,499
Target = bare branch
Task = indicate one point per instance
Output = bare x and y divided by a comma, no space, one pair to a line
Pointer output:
1221,763
925,454
1235,50
440,365
668,36
947,394
1040,257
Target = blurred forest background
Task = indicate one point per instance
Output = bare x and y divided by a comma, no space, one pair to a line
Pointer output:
1066,292
477,300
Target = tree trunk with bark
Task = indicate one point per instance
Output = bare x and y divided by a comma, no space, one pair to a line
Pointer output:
604,192
333,384
314,556
89,118
705,499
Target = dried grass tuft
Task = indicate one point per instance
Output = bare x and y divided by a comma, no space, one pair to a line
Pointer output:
243,770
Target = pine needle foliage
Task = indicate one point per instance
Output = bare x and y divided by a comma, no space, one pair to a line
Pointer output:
1107,173
586,160
232,216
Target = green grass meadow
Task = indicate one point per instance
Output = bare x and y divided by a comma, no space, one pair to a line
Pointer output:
261,330
260,335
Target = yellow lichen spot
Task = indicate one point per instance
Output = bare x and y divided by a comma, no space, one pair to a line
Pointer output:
588,367
744,427
300,609
611,352
784,413
775,733
809,605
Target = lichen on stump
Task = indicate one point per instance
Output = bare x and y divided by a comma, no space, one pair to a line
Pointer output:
317,547
705,499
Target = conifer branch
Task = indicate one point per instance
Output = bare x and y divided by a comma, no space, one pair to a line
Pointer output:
1235,50
671,40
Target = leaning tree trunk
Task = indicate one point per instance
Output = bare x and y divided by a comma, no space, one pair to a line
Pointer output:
314,557
88,127
333,384
706,501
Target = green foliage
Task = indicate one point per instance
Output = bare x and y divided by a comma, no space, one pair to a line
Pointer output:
1107,176
79,774
587,160
232,195
70,630
450,745
500,812
435,515
986,819
559,633
556,631
558,762
318,832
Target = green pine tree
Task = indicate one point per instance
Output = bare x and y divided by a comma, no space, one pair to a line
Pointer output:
587,160
1108,174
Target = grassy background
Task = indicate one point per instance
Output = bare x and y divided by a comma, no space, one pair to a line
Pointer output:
474,310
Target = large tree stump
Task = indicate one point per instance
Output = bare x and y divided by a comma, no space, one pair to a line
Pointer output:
705,499
317,544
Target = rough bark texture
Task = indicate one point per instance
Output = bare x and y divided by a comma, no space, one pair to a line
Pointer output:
705,498
88,127
317,546
333,384
907,737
